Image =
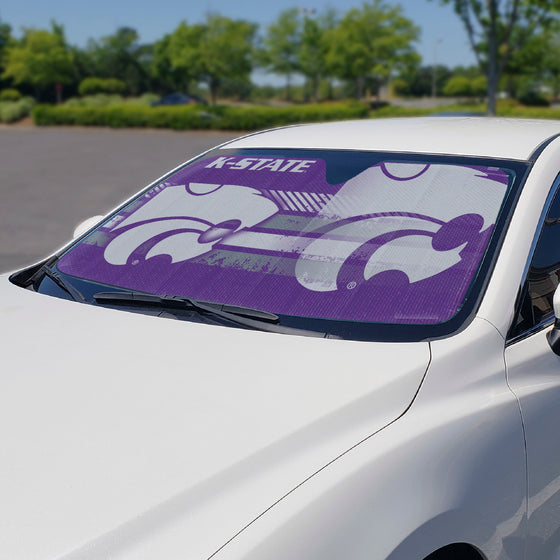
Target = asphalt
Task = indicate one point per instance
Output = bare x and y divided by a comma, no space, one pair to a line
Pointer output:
53,178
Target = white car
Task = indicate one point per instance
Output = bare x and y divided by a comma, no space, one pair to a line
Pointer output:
322,342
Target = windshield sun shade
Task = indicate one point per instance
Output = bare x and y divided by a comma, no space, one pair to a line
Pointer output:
335,236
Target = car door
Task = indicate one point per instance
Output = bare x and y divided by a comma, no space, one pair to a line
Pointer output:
533,371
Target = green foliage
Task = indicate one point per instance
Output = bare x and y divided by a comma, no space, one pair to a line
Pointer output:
167,76
281,46
106,100
91,86
457,86
312,55
418,81
5,41
122,57
252,118
41,58
12,111
218,49
461,86
240,89
10,94
533,99
191,117
529,112
479,86
371,41
226,50
5,37
180,52
145,99
219,52
499,31
260,94
391,111
98,100
543,60
401,87
398,111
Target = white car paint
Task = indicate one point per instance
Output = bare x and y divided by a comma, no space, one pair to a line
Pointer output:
501,138
179,440
141,429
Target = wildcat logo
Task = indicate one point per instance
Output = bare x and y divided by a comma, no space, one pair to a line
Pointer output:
340,257
186,221
353,237
354,250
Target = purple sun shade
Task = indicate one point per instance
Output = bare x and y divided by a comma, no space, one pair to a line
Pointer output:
397,242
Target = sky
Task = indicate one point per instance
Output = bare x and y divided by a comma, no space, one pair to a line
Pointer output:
443,39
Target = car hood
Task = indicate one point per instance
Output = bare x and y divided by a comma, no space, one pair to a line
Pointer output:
129,436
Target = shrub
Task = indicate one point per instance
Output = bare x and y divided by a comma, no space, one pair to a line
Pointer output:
91,86
12,111
395,111
106,100
533,99
144,99
10,94
400,87
97,100
119,116
479,86
457,86
192,117
530,112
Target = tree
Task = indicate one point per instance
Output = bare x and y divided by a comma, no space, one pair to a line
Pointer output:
550,61
371,42
166,76
281,46
497,30
418,81
5,40
538,63
457,86
218,49
121,56
178,55
41,58
226,51
462,86
313,48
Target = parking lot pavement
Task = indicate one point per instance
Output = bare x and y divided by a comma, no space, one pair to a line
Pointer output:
53,178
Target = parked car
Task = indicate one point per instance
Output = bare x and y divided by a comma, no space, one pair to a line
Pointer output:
321,342
178,99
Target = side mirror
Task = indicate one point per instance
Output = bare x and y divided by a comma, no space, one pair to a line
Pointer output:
88,223
554,335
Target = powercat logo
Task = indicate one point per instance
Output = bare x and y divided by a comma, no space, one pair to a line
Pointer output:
187,221
416,219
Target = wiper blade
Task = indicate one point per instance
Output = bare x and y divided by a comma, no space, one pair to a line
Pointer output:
248,317
176,302
60,281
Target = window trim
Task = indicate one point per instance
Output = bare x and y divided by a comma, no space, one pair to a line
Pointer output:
549,320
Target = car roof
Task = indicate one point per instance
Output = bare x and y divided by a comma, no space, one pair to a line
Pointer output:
471,136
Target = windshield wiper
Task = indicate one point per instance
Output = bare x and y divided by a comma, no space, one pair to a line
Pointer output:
59,280
248,317
176,302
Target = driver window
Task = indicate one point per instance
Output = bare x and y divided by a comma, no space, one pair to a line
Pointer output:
544,275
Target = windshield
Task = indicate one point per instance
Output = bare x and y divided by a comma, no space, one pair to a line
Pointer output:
325,235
